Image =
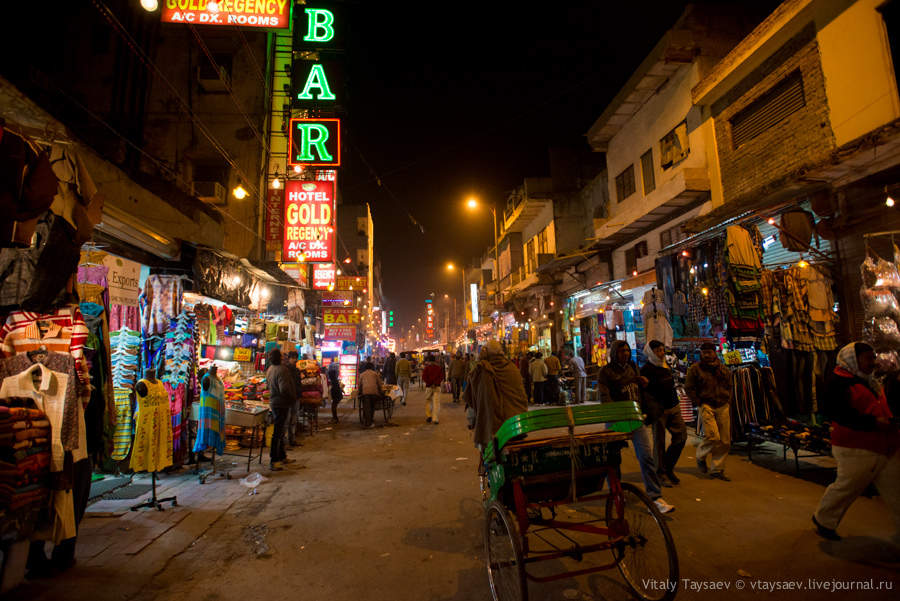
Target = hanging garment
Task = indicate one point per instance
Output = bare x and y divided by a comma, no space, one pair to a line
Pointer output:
122,434
176,396
797,230
211,421
741,250
76,199
152,450
163,302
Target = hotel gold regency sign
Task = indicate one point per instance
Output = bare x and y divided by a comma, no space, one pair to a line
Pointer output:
269,14
308,222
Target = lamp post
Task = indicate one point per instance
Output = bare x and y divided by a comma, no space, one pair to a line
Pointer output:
472,203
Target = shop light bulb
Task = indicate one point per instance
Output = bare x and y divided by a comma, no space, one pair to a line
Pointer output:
236,280
802,264
634,272
685,253
706,266
347,260
338,272
693,270
705,291
298,169
771,221
149,5
239,192
276,183
889,201
264,293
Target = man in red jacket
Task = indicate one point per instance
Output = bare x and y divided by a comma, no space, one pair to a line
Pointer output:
432,376
864,440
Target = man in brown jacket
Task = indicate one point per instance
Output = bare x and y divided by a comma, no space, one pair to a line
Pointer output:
708,384
494,394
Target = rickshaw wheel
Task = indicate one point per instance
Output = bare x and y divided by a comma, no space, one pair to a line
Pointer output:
387,404
506,570
646,557
362,415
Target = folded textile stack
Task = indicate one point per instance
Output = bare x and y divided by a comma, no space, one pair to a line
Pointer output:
24,460
310,383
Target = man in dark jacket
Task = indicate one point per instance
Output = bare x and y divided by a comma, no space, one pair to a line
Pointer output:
389,373
708,384
661,391
282,395
335,388
620,381
458,368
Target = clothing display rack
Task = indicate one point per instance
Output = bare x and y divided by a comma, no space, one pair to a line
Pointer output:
153,501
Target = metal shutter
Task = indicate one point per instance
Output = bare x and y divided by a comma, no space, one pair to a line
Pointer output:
784,98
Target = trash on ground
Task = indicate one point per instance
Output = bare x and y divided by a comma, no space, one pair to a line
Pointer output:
252,481
255,537
697,499
462,458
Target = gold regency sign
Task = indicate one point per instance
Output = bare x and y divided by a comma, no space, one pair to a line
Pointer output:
271,14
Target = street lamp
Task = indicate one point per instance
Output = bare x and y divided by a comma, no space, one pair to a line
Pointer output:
472,204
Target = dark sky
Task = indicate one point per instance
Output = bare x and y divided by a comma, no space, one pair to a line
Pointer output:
453,99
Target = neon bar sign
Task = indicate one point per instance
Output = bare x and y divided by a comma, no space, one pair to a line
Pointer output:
315,142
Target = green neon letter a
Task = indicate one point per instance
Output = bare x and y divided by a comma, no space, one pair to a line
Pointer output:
320,27
316,80
313,134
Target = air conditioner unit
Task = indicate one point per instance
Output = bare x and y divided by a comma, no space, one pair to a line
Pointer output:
211,192
210,81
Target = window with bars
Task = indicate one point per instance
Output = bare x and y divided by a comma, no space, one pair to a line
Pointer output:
647,174
782,100
671,236
625,184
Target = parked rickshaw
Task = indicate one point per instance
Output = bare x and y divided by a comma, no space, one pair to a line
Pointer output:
552,494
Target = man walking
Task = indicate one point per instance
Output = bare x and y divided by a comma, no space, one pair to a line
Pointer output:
538,370
336,390
432,376
282,396
708,384
403,371
369,391
525,372
551,388
580,376
390,370
294,415
458,369
495,393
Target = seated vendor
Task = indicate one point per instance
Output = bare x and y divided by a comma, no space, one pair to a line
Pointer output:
494,394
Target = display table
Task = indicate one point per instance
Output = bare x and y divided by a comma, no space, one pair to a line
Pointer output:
250,417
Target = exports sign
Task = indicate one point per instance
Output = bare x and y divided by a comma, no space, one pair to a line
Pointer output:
309,222
269,14
323,276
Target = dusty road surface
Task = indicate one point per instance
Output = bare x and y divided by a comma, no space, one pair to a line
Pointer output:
394,514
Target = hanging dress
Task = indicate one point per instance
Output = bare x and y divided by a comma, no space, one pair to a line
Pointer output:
153,435
211,418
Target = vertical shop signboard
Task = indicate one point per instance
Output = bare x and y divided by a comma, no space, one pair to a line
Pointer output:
309,222
274,216
429,320
340,323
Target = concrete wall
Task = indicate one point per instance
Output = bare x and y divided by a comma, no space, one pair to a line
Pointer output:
859,75
170,135
653,244
803,138
666,109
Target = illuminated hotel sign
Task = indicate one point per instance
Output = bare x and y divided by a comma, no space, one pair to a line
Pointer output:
324,275
315,142
268,14
429,320
309,222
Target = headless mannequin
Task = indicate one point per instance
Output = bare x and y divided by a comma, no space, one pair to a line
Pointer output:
212,373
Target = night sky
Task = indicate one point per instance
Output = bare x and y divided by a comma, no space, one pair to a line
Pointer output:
453,99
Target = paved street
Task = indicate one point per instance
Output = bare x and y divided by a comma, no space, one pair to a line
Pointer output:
393,514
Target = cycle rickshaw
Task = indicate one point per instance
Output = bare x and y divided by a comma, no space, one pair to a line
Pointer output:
552,494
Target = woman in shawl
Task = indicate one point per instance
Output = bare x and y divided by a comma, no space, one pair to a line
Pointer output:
864,440
661,388
619,381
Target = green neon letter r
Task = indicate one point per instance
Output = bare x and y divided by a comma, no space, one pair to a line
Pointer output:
313,134
320,27
318,81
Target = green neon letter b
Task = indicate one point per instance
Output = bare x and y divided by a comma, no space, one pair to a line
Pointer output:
316,80
313,135
320,27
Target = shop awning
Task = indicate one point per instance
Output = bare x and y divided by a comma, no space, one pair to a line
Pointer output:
648,278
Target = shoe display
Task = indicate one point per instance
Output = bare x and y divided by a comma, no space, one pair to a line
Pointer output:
720,476
662,506
701,465
827,533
